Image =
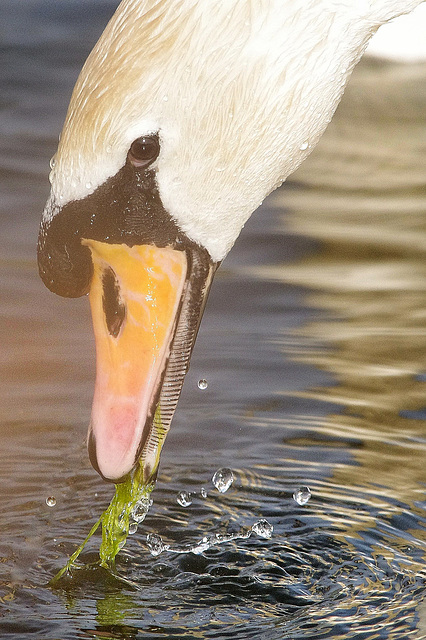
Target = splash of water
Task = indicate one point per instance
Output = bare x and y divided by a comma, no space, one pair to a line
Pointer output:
156,545
263,529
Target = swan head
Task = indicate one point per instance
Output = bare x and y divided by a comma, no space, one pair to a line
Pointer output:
181,122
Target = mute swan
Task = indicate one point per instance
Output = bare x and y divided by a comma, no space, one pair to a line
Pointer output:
185,116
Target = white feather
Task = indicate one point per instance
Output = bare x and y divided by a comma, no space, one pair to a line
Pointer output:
240,92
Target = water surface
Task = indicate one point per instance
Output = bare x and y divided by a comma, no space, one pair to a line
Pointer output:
313,346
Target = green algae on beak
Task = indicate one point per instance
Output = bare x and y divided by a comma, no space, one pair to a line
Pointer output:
129,506
127,509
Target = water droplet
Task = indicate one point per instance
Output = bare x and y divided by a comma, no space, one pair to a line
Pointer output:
133,527
263,529
203,384
108,148
203,493
51,501
184,498
165,98
140,509
61,197
155,544
220,169
52,161
88,185
302,495
304,146
222,479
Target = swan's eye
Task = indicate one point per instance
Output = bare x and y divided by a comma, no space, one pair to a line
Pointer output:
144,151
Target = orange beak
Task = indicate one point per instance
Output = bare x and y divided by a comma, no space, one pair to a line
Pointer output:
138,297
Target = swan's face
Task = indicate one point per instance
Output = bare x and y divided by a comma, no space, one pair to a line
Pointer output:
181,122
237,97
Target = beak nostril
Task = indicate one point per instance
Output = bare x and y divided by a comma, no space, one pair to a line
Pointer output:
114,309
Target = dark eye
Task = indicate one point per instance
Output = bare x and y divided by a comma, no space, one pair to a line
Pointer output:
144,151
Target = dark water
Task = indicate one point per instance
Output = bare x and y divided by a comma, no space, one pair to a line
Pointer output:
314,348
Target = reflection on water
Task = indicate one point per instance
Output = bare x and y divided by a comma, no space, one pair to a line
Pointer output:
369,276
313,346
